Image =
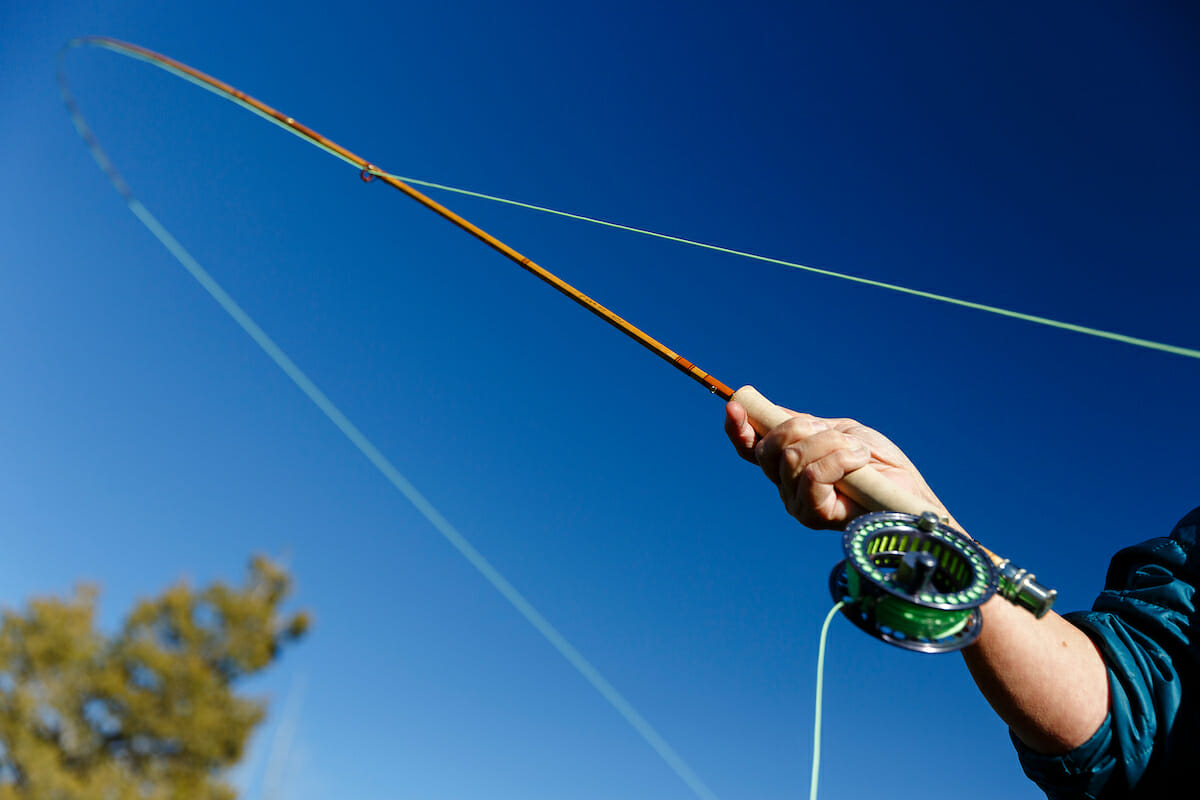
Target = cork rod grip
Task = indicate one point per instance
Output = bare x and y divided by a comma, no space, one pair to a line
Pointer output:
865,486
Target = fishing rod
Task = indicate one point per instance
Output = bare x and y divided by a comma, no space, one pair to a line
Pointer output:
908,578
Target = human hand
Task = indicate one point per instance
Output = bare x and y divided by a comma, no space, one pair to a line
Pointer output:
806,456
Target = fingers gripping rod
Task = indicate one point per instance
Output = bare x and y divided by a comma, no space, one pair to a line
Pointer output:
874,492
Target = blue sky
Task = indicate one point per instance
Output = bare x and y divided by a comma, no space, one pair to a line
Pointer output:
1032,157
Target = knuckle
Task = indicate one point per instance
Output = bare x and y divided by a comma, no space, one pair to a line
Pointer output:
762,453
793,459
825,471
799,427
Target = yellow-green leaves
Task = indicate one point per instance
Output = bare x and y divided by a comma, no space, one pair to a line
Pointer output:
147,713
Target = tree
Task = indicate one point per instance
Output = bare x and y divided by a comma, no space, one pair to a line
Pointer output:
147,713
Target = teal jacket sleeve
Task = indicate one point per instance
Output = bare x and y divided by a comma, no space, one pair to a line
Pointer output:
1142,623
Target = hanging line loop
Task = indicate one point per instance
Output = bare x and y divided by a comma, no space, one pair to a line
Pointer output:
816,757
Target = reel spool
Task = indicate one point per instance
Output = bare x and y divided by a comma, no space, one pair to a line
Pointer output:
913,582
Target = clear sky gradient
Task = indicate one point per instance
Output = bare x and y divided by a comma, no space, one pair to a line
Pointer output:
1035,156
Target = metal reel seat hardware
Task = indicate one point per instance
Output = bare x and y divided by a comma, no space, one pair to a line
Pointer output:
913,582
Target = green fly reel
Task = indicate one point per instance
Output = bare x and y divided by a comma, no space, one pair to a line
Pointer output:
914,582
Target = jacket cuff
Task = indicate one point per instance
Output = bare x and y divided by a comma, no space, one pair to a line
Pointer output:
1080,774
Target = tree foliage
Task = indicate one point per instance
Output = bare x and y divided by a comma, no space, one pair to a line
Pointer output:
148,712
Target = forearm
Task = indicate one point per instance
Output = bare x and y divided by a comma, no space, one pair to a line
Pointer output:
1044,677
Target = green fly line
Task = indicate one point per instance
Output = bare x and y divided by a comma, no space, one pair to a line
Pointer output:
816,756
1148,344
289,126
918,620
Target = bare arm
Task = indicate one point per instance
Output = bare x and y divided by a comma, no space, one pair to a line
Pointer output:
1044,678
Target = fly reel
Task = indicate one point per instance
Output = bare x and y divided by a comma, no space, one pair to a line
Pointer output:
913,582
